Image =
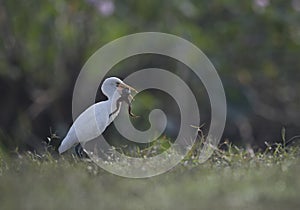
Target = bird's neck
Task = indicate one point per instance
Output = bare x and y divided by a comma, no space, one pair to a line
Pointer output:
112,100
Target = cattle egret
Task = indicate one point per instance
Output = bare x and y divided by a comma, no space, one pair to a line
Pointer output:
93,121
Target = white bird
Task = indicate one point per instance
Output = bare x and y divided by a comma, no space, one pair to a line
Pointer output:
94,120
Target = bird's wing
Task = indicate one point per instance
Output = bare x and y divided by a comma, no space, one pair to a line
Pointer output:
89,125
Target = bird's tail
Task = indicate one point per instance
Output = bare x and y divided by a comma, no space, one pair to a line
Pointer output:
66,144
62,148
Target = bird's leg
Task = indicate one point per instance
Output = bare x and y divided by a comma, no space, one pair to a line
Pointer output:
80,151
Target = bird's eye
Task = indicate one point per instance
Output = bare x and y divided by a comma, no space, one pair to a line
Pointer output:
117,83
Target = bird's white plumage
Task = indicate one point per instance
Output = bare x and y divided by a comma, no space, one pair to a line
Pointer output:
94,120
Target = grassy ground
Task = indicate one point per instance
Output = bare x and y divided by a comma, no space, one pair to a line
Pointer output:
231,179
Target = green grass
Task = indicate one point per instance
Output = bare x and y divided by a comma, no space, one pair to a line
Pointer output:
233,178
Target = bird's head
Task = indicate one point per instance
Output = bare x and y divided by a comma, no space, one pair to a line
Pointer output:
112,84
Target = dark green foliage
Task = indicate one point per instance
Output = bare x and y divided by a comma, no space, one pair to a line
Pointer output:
44,44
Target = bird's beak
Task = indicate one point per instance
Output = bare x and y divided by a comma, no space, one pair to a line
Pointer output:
123,86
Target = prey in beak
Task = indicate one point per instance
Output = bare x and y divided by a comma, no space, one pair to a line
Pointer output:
125,92
122,86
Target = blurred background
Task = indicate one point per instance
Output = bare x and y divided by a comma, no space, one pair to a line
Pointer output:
254,45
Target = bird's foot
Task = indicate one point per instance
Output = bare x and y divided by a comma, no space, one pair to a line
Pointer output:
80,151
